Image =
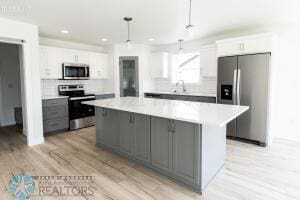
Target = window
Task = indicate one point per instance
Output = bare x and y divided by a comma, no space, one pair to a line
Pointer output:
186,67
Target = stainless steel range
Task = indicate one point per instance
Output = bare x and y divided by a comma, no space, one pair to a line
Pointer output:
80,115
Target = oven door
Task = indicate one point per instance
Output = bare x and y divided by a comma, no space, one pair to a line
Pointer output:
81,115
73,71
78,110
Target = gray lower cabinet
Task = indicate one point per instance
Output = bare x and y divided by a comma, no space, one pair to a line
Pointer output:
55,115
175,148
168,146
134,135
186,151
141,138
161,143
107,130
126,132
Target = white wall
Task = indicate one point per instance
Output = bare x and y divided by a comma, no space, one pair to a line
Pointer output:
142,51
286,118
10,82
31,76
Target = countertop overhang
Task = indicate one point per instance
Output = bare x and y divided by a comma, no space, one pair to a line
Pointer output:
207,114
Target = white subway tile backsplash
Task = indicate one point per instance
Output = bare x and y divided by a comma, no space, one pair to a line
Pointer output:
50,87
207,85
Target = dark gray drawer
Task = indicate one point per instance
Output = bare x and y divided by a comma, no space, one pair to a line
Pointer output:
55,112
105,96
55,124
55,102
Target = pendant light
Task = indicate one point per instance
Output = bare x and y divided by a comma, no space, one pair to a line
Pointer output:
190,29
180,46
128,41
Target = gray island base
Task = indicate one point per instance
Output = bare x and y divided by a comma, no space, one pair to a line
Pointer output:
187,152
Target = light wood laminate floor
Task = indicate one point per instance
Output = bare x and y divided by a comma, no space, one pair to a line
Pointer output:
250,172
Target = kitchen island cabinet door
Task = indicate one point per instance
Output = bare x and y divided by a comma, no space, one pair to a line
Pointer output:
161,144
142,137
186,151
126,129
100,126
107,130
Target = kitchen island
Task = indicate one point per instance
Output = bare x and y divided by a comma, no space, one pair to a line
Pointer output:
183,140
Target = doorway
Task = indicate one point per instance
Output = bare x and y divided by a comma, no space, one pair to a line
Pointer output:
129,81
11,114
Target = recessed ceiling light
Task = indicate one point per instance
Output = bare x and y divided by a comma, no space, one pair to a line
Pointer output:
64,31
104,39
151,39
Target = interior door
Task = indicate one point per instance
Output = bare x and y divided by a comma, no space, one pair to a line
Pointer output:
129,85
253,92
226,92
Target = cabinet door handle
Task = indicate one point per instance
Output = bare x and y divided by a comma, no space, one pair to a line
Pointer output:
132,118
174,126
169,126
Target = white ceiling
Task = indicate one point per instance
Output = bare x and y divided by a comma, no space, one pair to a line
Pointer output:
90,20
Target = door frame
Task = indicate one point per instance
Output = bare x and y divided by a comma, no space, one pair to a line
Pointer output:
136,59
30,76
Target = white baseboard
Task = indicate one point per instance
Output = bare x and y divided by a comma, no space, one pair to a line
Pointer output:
36,141
25,131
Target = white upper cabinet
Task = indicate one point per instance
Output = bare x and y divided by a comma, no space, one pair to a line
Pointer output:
50,62
245,45
258,45
229,48
208,61
98,65
73,56
52,58
159,65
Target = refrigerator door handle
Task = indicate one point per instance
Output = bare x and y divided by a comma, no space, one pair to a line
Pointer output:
234,87
238,87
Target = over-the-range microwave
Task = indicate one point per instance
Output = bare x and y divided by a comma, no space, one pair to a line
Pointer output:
75,71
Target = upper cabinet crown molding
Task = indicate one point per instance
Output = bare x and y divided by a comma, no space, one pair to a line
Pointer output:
259,43
159,65
52,58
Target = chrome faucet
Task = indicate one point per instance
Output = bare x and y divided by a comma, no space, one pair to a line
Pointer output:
183,85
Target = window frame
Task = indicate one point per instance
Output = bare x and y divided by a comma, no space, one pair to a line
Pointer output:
173,73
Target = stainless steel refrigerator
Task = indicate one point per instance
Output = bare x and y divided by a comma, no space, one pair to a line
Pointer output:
244,80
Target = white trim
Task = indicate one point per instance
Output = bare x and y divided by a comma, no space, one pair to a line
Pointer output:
30,74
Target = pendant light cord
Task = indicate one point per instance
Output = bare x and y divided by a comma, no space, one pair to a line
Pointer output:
190,13
128,30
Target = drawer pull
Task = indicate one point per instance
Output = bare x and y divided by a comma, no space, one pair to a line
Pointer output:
53,113
52,125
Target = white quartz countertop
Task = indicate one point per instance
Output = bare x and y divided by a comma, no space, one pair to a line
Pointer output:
53,97
184,94
201,113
